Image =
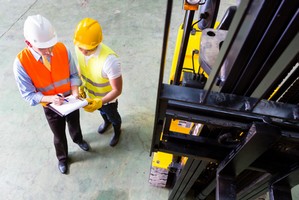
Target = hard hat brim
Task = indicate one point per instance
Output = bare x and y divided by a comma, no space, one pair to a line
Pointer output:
84,46
48,44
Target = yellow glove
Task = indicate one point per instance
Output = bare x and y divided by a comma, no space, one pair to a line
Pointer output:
93,104
82,94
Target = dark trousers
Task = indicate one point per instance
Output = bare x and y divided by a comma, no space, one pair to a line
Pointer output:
58,125
110,111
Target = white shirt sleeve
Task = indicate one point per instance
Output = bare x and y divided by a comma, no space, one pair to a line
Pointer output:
111,68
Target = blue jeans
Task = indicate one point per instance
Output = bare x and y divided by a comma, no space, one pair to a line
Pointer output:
110,111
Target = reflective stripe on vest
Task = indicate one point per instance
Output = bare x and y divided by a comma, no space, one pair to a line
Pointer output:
48,82
96,86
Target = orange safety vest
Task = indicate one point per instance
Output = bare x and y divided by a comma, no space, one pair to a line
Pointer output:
48,82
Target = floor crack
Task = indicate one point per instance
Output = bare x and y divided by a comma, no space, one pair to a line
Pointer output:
19,18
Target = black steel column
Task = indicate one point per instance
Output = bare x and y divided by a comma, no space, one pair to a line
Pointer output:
258,140
226,187
187,29
281,185
187,178
280,192
158,123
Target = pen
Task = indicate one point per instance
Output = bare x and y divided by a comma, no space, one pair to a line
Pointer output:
63,99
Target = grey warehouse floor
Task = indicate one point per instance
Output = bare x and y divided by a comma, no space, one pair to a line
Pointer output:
28,169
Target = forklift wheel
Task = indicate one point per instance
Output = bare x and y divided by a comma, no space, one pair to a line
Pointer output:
158,177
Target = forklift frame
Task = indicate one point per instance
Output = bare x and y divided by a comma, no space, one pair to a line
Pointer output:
267,157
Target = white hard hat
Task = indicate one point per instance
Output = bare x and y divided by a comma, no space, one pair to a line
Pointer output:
39,32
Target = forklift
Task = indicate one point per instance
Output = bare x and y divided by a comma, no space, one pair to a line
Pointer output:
227,122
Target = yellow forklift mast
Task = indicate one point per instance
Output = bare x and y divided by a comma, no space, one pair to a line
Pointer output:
227,122
161,161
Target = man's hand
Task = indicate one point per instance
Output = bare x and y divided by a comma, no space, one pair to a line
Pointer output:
93,104
58,99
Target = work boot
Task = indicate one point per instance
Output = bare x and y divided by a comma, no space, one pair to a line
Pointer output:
62,166
103,127
84,145
115,138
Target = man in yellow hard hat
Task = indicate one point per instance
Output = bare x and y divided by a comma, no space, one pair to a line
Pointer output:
45,72
100,71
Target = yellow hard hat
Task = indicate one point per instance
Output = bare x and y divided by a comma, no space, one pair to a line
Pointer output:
88,34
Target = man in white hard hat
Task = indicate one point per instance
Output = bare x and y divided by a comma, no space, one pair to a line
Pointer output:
45,72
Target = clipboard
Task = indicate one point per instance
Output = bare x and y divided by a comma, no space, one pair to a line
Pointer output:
68,106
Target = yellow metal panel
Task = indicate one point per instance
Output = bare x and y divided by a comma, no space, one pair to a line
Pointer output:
180,126
161,160
193,44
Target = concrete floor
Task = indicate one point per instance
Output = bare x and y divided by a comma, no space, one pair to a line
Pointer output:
28,170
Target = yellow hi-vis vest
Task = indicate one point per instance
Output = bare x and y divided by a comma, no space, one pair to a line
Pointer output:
94,84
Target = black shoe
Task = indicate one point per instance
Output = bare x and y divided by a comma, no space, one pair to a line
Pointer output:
62,166
83,145
116,135
103,127
114,140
